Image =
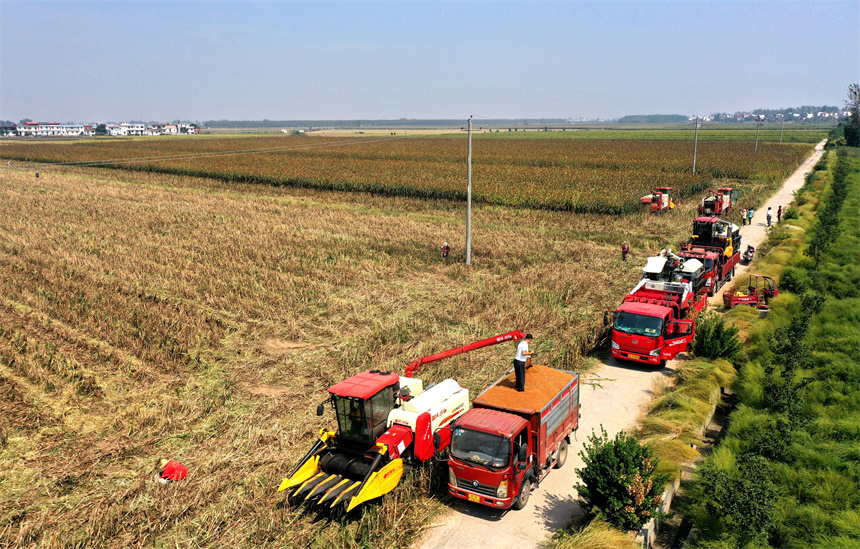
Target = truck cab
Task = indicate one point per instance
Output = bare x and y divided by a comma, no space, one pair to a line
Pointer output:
490,457
649,333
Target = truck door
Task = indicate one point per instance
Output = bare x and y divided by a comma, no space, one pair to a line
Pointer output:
520,472
679,333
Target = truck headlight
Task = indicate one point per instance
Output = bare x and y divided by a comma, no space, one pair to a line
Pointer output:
708,282
452,478
615,345
655,352
502,490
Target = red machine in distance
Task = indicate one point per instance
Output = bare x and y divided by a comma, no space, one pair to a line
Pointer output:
760,290
660,199
719,202
384,421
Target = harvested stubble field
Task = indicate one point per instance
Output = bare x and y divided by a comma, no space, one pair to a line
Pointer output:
148,315
559,174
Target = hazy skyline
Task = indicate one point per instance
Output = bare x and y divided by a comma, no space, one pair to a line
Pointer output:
97,61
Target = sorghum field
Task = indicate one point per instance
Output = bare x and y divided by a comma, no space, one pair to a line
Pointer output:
558,174
147,315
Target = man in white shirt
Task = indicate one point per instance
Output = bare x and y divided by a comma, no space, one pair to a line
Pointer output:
520,362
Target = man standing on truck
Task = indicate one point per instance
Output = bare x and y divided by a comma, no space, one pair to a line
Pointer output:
520,362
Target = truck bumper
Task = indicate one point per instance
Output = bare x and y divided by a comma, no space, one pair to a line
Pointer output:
497,503
624,355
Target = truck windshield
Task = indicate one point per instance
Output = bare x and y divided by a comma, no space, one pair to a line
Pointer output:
481,448
709,264
632,323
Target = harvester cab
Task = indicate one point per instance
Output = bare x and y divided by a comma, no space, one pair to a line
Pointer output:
719,202
660,200
384,422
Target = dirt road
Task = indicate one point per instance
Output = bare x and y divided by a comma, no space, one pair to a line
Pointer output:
612,397
756,233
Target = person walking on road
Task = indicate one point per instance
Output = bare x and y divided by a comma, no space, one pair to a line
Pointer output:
625,249
744,216
769,215
750,215
520,362
779,214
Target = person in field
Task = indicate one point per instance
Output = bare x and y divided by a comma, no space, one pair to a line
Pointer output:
170,471
446,249
520,362
625,249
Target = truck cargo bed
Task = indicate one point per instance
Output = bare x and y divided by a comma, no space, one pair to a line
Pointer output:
542,385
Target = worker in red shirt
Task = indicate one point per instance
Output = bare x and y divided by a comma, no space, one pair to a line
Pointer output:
171,471
625,249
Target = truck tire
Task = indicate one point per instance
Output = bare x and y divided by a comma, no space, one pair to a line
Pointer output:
562,454
525,492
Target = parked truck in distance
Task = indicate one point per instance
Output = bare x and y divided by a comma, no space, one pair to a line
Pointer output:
716,243
509,441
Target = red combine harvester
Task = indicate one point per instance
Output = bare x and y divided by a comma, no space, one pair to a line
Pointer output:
716,243
384,420
719,202
656,320
509,441
660,199
760,290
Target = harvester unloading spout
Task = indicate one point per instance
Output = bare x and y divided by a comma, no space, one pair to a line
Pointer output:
384,421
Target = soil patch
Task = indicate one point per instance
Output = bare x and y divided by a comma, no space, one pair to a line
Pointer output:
277,346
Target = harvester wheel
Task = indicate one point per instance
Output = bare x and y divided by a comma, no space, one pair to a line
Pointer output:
525,492
562,455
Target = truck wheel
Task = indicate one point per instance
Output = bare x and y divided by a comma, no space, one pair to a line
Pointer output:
562,455
525,492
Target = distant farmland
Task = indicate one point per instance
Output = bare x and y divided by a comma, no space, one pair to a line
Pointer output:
568,174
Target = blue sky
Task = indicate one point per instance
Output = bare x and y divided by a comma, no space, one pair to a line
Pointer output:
116,61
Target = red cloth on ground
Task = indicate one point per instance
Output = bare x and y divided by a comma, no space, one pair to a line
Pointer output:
174,471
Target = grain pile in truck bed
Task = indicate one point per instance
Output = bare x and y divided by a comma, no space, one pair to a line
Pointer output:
542,384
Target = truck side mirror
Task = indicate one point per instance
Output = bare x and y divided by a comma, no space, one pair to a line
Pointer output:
437,441
320,409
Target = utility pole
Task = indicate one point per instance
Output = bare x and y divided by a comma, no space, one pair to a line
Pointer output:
695,145
758,124
780,129
469,201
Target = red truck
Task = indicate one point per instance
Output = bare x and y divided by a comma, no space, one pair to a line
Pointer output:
716,243
719,201
509,441
655,321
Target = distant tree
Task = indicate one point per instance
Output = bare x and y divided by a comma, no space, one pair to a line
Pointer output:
24,121
101,129
852,130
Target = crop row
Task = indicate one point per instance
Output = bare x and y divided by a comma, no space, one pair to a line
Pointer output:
574,175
